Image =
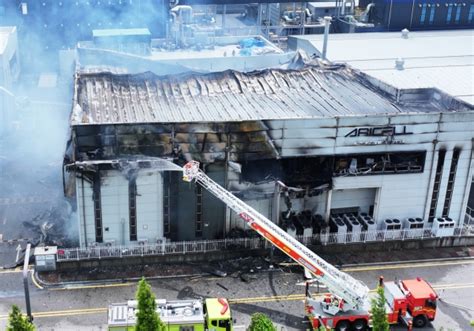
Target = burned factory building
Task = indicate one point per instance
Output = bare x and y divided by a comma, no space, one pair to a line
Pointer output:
303,147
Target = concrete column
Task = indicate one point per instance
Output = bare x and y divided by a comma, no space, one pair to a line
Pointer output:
276,204
327,213
429,192
467,188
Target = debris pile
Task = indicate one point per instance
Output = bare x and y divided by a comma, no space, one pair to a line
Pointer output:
54,226
245,268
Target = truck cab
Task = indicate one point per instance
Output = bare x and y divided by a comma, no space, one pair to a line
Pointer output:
218,316
421,300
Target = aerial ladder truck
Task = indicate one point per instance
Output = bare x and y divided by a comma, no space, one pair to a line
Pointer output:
347,305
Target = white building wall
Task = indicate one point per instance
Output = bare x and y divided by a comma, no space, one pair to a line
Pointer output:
115,208
114,205
85,212
360,197
149,205
456,131
399,196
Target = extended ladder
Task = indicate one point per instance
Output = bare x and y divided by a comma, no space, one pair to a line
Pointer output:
353,292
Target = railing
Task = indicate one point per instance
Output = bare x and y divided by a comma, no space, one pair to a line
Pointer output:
203,246
469,219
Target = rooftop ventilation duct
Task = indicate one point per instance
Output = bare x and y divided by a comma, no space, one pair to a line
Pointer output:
399,63
327,23
405,33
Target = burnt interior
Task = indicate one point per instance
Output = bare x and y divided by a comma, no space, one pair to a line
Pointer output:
379,163
295,171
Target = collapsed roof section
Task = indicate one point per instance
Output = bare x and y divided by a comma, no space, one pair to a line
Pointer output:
230,96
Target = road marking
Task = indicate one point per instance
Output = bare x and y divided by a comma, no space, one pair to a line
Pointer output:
289,297
35,282
73,287
296,297
407,265
11,271
59,313
4,222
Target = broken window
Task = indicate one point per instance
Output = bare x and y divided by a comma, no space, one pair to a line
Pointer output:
437,184
379,163
297,171
452,175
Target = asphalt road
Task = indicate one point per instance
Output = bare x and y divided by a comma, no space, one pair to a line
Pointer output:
278,294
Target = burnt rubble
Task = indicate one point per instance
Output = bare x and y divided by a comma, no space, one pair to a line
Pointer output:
52,227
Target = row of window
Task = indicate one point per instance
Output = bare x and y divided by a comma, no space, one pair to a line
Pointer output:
454,10
450,184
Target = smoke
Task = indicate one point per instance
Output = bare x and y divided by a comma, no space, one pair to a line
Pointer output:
31,153
50,26
130,165
32,150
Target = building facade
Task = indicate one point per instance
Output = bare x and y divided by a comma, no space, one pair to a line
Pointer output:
341,143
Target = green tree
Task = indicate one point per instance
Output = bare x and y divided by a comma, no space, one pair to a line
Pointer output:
147,317
379,315
261,322
18,322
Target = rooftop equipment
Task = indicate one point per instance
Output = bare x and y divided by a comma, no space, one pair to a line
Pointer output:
443,227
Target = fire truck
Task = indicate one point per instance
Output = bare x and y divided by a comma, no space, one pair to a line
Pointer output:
211,314
347,306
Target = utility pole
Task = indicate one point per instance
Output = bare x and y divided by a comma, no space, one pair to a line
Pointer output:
25,282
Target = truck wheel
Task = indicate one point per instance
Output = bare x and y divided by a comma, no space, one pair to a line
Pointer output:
359,325
343,326
419,321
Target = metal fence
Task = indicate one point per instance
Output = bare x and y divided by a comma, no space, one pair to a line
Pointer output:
203,246
469,216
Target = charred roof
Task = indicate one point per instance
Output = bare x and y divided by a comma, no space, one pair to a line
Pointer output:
231,96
